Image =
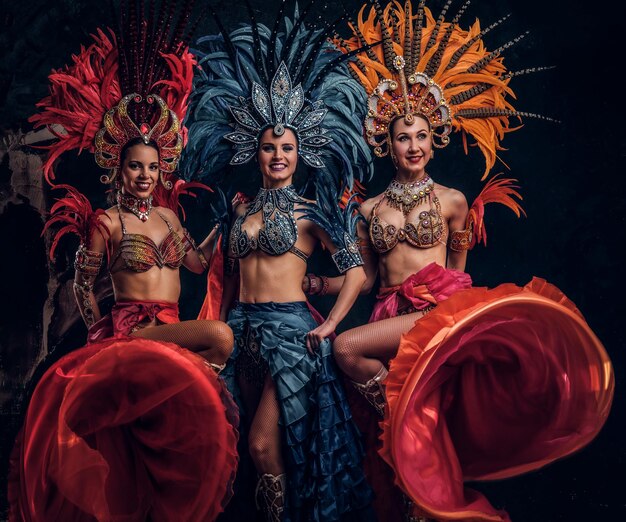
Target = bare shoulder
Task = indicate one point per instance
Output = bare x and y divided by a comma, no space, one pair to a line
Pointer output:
240,209
451,196
110,218
170,216
368,205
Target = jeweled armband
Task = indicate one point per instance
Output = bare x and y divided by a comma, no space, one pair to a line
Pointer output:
87,265
461,240
190,244
347,257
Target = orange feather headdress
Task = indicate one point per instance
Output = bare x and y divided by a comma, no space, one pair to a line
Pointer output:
433,69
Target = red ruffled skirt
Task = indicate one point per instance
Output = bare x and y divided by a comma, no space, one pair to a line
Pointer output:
489,385
419,292
125,429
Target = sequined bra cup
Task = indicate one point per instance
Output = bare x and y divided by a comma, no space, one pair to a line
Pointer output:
139,253
425,233
280,231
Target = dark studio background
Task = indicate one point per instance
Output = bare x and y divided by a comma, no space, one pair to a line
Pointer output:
570,173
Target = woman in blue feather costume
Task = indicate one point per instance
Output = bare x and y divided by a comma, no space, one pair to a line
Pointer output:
281,96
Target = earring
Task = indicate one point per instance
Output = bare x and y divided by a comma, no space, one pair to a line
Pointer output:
432,154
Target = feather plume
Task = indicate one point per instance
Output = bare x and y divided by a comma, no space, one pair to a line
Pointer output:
496,190
473,81
75,214
170,198
80,94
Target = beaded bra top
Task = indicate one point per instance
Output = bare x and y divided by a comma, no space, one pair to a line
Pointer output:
280,231
140,253
426,232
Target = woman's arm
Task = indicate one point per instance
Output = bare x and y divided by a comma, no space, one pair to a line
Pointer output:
353,280
321,285
197,257
87,266
351,283
457,258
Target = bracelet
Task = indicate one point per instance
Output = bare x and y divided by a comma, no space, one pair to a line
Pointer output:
190,244
324,289
314,288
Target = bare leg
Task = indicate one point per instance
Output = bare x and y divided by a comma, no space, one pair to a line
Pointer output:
264,444
360,352
264,438
211,339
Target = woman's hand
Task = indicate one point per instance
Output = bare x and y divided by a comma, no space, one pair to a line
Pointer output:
315,337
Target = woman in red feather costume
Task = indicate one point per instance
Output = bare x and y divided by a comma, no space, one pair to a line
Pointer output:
469,383
135,425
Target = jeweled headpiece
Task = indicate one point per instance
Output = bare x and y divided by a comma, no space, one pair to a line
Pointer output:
256,78
280,108
130,83
435,70
119,129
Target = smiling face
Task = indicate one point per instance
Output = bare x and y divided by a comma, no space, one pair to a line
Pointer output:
412,147
278,158
140,170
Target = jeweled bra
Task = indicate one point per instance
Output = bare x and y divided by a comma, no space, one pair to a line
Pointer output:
280,231
139,253
426,232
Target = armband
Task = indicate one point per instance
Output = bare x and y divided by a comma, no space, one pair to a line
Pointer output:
190,244
87,264
461,240
347,257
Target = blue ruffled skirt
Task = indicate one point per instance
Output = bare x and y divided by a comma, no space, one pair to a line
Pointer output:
322,447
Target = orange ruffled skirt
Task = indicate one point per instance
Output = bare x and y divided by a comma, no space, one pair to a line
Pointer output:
125,429
489,385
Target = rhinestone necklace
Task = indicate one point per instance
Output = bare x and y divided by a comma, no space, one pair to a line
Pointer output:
140,207
405,196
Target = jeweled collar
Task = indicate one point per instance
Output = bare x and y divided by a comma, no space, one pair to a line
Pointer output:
138,206
405,196
281,199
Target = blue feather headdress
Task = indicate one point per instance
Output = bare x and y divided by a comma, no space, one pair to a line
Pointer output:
255,78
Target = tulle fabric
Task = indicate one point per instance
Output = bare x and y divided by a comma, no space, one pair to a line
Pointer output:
125,429
489,385
420,291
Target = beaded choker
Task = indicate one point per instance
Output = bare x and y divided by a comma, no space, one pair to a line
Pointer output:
140,207
405,196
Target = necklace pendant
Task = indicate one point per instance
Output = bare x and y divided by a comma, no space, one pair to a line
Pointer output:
140,207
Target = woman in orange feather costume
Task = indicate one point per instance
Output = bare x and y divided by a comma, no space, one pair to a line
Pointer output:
468,383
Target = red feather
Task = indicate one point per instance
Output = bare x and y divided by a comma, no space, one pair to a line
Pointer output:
80,95
171,198
76,215
176,90
496,190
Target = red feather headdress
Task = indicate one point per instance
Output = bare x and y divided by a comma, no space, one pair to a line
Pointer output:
133,83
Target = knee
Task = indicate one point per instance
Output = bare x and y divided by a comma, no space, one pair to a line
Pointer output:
222,340
344,352
262,451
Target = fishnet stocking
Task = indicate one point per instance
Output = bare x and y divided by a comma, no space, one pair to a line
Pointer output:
264,437
361,351
212,339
